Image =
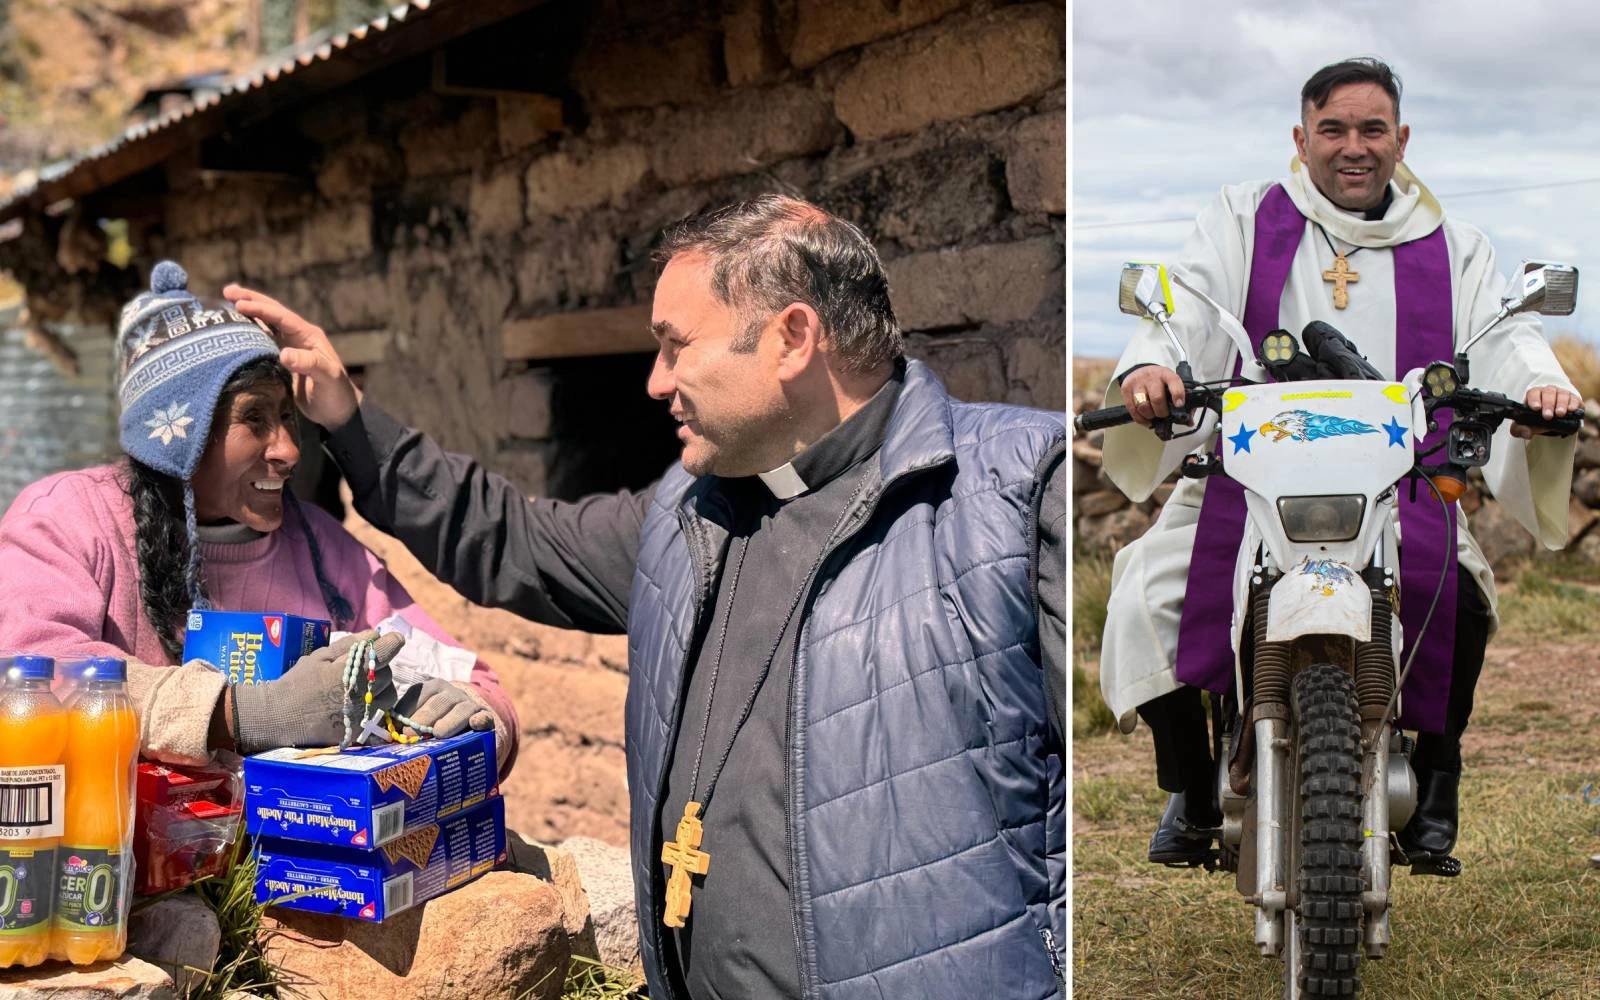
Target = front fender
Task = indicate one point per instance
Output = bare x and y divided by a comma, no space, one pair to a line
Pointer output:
1320,597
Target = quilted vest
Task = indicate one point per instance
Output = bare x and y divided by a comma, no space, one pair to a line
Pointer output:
927,833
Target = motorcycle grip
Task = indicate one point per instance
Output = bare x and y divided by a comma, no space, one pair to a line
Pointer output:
1095,420
1557,426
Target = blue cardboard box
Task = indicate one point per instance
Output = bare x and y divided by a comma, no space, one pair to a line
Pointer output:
251,647
369,796
377,883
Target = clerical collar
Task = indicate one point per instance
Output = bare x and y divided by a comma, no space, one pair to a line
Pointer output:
1378,211
839,449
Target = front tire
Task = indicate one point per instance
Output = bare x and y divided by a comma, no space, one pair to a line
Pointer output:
1328,925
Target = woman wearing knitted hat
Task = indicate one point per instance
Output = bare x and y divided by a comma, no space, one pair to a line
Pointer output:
108,560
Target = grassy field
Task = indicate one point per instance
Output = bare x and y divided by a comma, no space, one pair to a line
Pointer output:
1522,921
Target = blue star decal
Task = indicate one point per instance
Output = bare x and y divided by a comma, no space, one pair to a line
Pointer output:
1397,434
1241,440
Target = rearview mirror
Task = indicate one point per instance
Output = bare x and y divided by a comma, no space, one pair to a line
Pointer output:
1144,291
1544,287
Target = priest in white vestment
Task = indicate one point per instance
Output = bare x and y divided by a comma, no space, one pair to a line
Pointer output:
1359,203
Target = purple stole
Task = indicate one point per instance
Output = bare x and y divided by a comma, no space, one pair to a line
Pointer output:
1424,334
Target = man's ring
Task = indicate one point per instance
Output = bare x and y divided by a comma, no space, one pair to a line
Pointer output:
1139,399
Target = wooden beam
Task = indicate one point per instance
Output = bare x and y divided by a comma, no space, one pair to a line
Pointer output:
362,347
589,333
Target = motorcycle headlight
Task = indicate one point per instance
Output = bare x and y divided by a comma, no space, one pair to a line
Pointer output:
1322,519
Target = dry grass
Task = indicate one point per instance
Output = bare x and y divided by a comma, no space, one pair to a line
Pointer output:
1091,589
1581,362
1520,922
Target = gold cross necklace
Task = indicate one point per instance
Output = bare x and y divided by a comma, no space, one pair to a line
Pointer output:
1340,275
683,854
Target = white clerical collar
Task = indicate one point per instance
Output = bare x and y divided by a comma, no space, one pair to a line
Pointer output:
784,482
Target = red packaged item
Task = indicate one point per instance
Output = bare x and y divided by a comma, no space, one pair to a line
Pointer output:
186,821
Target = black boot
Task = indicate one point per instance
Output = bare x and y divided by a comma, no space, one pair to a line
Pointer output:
1183,840
1431,835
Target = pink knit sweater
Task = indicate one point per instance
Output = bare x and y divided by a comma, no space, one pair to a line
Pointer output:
69,578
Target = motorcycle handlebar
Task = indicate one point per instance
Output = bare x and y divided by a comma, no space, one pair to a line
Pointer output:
1096,420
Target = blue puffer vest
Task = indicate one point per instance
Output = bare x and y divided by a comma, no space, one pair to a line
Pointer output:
923,803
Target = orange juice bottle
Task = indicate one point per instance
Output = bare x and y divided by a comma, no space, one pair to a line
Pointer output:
94,863
33,734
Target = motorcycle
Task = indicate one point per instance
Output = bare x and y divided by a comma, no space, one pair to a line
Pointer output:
1313,776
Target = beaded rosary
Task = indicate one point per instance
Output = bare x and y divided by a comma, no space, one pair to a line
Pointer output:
362,651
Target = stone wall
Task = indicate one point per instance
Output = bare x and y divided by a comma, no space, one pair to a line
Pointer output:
445,238
1104,520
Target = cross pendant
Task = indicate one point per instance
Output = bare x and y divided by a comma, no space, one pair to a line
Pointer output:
684,857
1341,276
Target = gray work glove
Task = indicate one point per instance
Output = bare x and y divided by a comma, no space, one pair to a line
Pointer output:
306,706
445,707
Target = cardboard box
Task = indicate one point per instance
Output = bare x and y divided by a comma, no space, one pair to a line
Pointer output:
378,883
251,647
369,796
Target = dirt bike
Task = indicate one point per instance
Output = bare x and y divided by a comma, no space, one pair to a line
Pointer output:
1313,777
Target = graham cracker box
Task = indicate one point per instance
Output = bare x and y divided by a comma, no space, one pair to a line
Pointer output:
367,796
250,647
377,883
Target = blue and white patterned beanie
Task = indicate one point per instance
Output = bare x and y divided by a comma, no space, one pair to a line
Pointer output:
176,354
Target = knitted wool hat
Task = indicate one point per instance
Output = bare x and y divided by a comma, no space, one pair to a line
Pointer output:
175,357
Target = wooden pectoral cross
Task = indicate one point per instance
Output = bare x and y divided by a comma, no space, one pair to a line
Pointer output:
1341,276
685,858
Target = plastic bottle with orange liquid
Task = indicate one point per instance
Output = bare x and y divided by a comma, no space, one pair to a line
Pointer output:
33,736
94,864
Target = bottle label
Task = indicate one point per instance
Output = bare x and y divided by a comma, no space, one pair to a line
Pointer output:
26,890
89,891
31,802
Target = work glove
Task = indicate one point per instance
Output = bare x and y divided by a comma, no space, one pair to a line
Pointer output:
444,708
308,705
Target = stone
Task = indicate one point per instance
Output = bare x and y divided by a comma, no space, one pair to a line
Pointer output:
582,176
1110,532
930,198
1099,503
499,936
358,303
607,876
1586,487
1579,517
456,144
529,470
954,70
524,402
180,934
1505,543
1037,366
211,264
523,120
563,264
645,71
971,368
742,133
560,869
824,27
495,200
1587,455
128,978
1083,477
337,234
269,256
1036,164
356,167
749,46
995,283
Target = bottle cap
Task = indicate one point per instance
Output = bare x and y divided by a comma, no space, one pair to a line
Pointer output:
105,668
34,667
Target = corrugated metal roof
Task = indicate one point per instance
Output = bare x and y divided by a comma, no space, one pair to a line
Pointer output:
99,166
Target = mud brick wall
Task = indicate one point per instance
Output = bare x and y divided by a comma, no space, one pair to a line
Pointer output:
446,237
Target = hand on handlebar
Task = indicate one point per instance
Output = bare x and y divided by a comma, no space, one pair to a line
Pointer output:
1548,399
1145,392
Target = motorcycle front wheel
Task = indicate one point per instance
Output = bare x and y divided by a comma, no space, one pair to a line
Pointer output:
1326,957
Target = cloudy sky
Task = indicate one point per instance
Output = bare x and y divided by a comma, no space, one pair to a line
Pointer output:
1174,99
